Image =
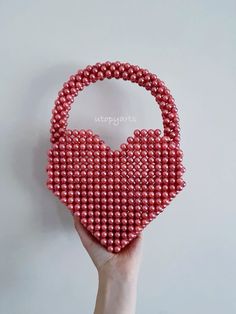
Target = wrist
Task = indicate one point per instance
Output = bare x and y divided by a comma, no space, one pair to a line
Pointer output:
116,293
118,277
121,275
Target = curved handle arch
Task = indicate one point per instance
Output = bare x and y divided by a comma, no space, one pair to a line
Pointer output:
118,70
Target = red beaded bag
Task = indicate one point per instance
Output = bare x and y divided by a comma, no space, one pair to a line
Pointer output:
116,193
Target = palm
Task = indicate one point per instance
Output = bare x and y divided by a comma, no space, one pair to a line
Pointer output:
124,262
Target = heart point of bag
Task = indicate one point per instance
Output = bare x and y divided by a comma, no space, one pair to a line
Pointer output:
115,193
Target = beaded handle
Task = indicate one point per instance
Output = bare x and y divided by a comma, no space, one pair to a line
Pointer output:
100,71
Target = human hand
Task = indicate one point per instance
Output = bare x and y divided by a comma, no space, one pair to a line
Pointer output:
124,264
118,273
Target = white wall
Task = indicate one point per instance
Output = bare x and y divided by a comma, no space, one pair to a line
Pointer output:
189,252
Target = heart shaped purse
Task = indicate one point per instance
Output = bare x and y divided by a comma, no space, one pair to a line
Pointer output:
115,193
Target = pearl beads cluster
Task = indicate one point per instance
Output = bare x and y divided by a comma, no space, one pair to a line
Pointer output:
117,70
115,193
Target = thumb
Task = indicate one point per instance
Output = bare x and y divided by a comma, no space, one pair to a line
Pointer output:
83,233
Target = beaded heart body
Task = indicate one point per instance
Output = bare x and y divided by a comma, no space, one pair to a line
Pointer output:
117,193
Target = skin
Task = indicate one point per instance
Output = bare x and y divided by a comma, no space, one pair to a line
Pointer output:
117,273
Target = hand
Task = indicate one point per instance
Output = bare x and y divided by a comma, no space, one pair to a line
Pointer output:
118,273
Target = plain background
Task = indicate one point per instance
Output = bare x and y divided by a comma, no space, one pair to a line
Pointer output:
189,251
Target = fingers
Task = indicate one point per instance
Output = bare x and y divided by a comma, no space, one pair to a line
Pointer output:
83,233
78,225
97,253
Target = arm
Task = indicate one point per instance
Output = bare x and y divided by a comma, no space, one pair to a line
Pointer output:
117,273
115,295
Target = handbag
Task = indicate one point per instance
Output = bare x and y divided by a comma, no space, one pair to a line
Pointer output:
115,193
